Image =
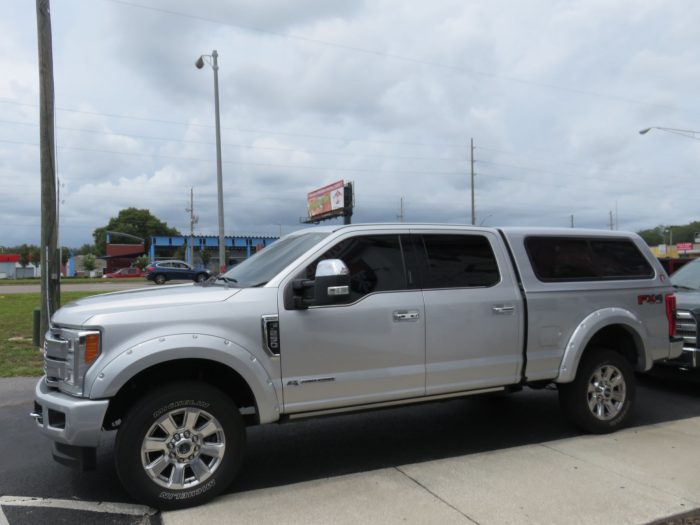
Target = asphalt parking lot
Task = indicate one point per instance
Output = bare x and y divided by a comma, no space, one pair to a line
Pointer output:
477,460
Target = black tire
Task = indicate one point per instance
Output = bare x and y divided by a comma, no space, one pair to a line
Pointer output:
600,403
201,277
159,279
212,413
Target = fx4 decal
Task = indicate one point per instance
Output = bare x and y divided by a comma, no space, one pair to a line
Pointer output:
650,299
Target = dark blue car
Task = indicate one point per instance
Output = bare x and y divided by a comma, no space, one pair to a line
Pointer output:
162,271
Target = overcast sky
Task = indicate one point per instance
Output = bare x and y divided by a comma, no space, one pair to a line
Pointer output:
384,93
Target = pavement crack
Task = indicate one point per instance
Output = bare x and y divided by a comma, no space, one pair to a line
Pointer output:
414,480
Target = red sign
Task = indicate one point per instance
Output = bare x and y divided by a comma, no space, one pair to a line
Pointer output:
684,246
327,199
9,258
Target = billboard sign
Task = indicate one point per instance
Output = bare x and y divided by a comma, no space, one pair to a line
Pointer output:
684,246
326,201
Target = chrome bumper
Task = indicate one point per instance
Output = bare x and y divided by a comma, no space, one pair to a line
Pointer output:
689,358
66,419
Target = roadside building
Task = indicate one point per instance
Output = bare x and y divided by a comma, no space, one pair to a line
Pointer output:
8,264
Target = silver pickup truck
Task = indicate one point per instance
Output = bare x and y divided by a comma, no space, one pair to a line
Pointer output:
334,319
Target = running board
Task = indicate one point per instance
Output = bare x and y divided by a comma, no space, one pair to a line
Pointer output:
399,402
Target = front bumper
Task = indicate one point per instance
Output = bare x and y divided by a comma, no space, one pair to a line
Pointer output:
66,419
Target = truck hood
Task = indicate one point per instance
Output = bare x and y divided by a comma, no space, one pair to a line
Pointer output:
79,312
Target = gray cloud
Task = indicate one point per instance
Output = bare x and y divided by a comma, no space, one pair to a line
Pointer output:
552,91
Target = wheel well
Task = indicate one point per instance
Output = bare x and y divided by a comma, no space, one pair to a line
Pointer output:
210,372
622,340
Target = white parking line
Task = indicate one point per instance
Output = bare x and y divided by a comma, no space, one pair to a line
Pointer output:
94,506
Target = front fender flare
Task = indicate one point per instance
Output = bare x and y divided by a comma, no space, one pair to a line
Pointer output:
115,374
590,326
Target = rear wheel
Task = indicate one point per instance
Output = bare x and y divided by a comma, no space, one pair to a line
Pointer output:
180,446
201,277
159,279
602,395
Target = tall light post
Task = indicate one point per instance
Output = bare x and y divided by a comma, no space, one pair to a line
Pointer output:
683,132
219,181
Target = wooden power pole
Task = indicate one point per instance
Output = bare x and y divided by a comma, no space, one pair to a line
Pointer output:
50,262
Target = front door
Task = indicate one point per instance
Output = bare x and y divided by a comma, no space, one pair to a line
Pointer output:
370,348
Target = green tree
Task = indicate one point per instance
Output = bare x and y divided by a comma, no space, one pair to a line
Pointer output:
89,262
671,233
141,262
65,255
34,254
86,249
205,255
24,256
132,221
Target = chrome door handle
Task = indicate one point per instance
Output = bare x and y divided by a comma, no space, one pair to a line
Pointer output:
412,315
503,309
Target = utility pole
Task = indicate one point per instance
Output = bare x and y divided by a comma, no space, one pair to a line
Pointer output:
193,220
612,224
400,215
471,150
572,220
50,283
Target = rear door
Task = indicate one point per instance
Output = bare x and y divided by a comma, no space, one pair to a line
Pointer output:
474,313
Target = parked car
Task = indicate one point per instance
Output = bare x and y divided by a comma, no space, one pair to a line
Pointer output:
162,271
345,318
124,273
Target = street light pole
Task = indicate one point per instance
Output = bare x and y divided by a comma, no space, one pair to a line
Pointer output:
471,151
219,178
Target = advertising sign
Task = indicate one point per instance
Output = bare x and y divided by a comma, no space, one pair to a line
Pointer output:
684,246
326,200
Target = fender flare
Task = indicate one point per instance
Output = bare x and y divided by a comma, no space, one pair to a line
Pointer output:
589,327
118,371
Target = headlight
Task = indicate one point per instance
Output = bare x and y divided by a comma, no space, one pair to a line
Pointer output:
84,348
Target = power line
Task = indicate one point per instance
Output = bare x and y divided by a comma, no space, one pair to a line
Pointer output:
240,130
402,58
233,145
236,163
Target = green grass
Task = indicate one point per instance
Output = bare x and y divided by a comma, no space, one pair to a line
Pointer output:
18,357
64,280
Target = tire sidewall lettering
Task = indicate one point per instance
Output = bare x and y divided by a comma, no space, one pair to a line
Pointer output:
169,496
179,404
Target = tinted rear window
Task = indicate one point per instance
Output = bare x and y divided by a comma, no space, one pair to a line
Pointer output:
581,259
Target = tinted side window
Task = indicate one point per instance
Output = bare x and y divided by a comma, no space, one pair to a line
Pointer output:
375,263
458,261
578,259
620,258
555,258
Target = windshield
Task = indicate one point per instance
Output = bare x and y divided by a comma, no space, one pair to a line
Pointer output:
264,265
688,276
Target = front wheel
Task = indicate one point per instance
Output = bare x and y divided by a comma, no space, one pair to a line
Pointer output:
180,447
602,395
159,279
201,277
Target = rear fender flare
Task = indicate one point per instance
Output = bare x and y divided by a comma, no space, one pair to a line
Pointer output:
589,327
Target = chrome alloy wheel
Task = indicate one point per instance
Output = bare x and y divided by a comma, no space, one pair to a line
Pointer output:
607,392
183,448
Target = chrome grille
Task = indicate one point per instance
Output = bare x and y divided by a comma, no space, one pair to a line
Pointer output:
687,328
